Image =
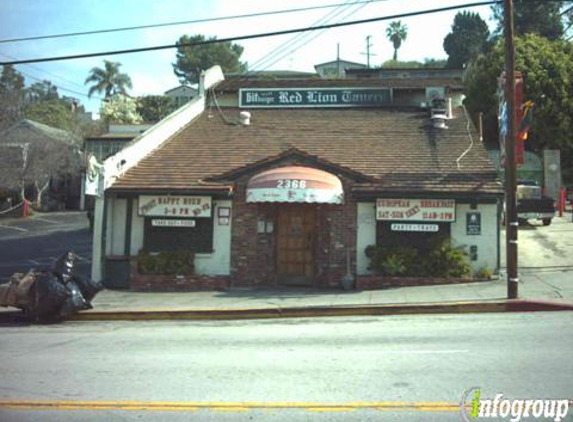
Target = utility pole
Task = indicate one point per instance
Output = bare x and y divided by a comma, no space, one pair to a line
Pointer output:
511,222
368,45
368,53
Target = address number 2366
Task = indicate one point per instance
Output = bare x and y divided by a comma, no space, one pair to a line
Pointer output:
291,184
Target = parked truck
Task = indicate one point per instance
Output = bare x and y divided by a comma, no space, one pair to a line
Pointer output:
532,204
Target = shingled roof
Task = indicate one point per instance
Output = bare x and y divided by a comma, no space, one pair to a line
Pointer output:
234,84
395,150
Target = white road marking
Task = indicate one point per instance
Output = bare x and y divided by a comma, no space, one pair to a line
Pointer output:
47,221
14,228
425,352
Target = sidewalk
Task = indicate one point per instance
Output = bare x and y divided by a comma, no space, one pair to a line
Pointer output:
535,295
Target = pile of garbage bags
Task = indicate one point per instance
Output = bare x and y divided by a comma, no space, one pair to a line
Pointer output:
50,295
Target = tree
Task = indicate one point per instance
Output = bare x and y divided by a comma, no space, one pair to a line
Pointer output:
413,64
396,32
108,80
42,91
53,113
120,109
532,17
192,60
153,108
35,164
468,38
11,96
547,68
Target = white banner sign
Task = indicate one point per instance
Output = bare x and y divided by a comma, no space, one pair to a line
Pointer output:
412,227
174,206
156,222
416,209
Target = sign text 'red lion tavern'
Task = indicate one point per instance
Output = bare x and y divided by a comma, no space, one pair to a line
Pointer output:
311,97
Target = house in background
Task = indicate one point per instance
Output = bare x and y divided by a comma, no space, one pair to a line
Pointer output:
64,191
182,94
116,138
337,68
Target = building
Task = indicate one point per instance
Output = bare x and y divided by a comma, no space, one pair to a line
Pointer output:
182,94
337,68
117,137
35,143
281,182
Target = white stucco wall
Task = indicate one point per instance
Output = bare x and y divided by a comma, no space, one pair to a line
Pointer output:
96,239
116,227
366,234
136,229
218,262
487,242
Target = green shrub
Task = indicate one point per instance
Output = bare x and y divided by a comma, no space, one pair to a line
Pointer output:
445,260
441,260
393,261
483,273
166,263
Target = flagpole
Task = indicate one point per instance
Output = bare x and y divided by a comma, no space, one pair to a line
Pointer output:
510,161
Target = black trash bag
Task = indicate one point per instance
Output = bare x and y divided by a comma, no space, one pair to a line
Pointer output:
88,287
48,296
75,301
65,266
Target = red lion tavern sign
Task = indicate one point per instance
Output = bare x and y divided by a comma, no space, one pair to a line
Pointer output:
443,210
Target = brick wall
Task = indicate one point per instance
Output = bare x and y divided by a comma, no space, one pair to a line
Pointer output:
253,254
171,283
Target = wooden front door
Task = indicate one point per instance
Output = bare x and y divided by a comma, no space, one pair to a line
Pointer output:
295,244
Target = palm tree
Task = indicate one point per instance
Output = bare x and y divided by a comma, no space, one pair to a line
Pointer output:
396,32
109,80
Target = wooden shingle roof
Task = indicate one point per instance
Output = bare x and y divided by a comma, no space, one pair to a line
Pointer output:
396,150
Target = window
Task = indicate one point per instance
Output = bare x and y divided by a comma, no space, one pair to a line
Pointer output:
423,241
198,239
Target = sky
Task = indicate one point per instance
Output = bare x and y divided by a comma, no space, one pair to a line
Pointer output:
152,72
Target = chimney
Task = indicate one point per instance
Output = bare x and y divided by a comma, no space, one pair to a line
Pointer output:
245,118
449,108
439,121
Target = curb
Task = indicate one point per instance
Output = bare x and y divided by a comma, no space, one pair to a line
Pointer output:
515,305
511,305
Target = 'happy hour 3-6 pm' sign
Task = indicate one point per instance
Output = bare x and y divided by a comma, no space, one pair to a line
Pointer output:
315,97
174,206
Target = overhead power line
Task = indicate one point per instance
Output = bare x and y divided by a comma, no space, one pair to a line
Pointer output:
299,38
71,91
306,41
252,36
159,25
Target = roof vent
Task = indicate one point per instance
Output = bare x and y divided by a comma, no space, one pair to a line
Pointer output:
245,118
439,121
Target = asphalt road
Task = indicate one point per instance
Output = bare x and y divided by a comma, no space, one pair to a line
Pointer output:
339,369
36,242
544,247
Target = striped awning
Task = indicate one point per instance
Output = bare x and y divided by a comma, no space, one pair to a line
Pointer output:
295,185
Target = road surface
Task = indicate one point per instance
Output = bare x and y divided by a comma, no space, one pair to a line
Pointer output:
334,369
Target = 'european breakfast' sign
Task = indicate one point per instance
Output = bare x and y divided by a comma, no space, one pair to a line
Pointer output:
314,97
416,209
174,206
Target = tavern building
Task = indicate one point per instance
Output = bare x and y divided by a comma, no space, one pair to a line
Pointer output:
287,182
